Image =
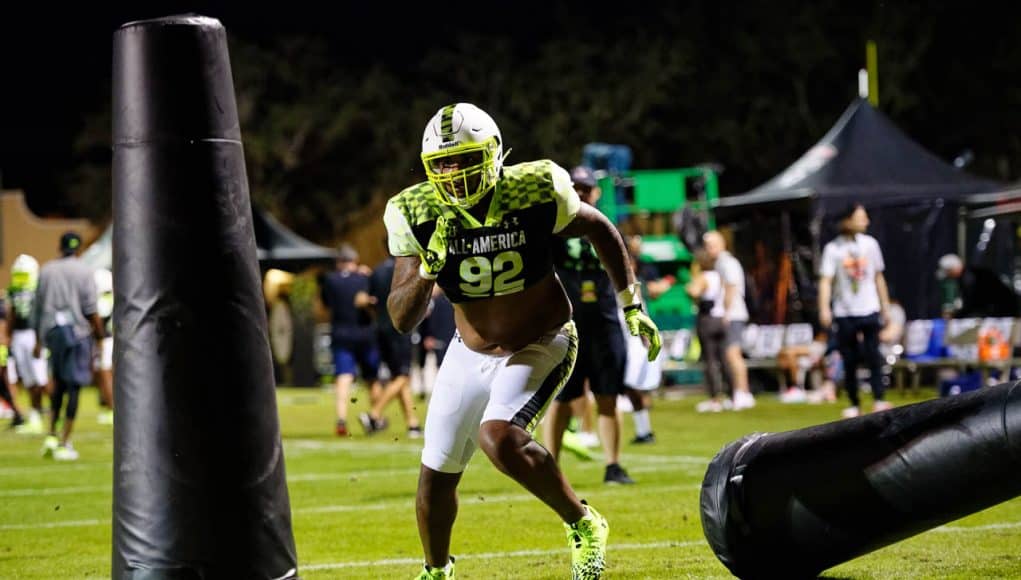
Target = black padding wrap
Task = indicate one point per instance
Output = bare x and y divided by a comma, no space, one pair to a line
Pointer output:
199,483
790,505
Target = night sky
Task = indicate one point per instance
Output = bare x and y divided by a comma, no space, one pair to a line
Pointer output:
55,63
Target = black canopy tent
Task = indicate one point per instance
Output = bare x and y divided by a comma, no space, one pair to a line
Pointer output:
912,196
276,247
279,247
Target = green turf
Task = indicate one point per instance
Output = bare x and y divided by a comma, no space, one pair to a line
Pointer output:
352,502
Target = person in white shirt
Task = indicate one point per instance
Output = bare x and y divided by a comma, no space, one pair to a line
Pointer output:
735,315
851,277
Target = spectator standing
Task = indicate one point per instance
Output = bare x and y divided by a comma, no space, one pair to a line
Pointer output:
949,274
436,331
706,289
735,315
64,315
852,279
352,332
395,351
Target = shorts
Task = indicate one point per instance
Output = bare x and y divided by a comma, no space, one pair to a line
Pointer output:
735,329
602,355
33,372
641,374
472,388
395,352
104,362
350,357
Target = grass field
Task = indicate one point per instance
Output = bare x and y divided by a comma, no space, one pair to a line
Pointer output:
352,502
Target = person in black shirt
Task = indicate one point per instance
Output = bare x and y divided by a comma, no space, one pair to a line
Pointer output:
395,351
602,352
5,391
352,332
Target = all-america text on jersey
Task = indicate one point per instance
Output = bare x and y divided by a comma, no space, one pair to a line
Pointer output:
487,243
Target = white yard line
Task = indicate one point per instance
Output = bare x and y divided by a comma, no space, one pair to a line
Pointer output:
493,555
50,465
65,524
478,499
296,478
52,490
997,526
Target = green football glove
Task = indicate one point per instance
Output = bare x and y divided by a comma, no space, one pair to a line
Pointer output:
639,324
435,255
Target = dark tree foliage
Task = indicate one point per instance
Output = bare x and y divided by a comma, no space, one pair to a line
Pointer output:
332,124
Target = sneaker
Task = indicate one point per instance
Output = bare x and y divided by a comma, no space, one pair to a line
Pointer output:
16,421
414,432
341,428
881,406
727,403
65,453
587,540
850,413
105,418
372,425
616,475
743,400
49,445
709,406
571,442
444,573
588,439
794,395
34,426
643,439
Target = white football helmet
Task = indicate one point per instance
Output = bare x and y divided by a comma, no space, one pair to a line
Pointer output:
24,272
468,133
104,292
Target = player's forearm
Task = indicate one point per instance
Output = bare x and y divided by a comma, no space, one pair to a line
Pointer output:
409,295
407,304
613,254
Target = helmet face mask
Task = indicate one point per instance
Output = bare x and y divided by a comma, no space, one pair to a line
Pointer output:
462,152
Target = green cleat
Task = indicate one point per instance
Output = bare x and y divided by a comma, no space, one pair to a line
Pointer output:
572,442
34,426
50,445
587,539
444,573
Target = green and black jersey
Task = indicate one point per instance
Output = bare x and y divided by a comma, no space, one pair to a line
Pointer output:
21,301
510,251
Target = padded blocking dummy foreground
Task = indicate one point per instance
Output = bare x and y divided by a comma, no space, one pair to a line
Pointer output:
199,482
790,505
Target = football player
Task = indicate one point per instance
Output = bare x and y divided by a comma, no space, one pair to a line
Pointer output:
483,231
31,372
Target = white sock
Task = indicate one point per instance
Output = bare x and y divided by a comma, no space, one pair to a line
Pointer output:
643,425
